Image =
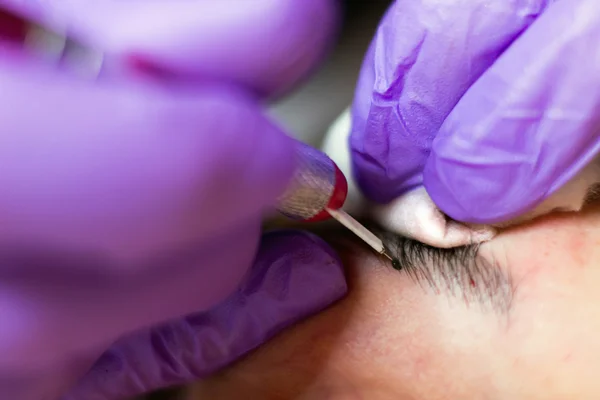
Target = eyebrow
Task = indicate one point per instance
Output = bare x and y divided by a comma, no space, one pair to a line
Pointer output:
459,272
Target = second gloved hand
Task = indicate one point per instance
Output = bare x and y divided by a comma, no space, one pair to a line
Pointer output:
129,204
491,105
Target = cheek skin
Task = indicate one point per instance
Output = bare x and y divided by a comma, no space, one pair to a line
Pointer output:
553,326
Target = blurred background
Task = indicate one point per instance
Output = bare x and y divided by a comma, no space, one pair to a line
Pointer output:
308,111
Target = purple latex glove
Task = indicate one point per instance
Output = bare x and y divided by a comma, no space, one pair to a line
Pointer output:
491,105
126,204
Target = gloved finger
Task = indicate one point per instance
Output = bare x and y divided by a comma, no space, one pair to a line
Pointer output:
112,193
263,45
527,126
126,170
55,304
295,276
424,56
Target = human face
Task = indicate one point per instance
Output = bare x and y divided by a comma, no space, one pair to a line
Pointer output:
395,338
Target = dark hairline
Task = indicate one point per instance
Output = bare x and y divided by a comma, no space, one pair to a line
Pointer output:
460,272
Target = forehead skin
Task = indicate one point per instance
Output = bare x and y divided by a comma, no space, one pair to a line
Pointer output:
555,321
391,339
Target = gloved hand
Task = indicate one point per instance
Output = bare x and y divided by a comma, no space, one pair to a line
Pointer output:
491,105
127,204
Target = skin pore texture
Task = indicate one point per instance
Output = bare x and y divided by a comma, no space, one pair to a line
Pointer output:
523,324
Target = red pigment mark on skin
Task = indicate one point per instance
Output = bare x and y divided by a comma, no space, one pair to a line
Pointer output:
472,282
577,245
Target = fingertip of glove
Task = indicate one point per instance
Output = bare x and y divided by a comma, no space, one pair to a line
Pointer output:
442,189
474,194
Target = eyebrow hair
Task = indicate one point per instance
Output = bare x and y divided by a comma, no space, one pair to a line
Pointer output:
458,272
593,194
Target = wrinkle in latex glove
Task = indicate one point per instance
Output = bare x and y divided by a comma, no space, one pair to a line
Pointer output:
424,57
